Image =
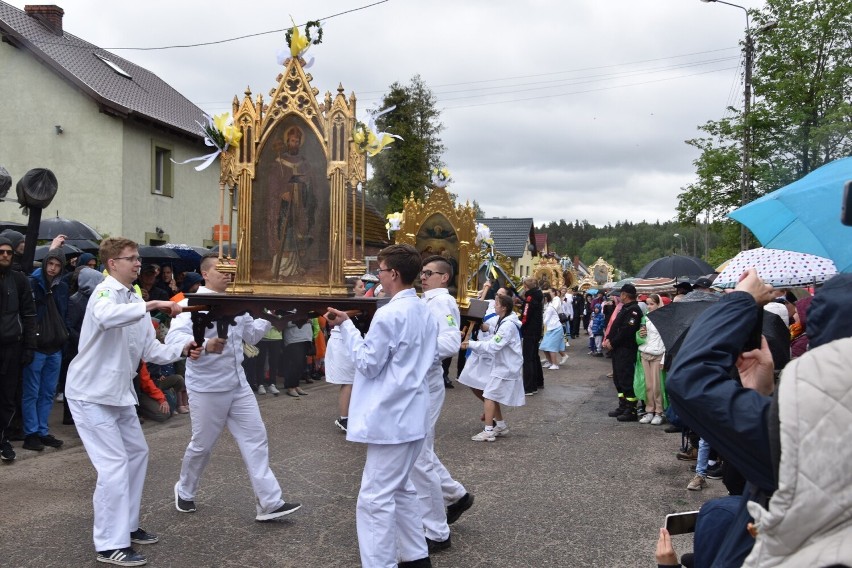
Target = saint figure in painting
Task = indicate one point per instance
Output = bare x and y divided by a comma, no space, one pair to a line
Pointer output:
292,205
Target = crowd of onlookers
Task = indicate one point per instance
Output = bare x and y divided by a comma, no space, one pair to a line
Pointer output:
42,314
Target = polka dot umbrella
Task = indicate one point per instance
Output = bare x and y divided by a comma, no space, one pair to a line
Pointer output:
781,268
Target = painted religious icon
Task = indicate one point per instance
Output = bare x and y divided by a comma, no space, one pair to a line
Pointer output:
437,236
290,210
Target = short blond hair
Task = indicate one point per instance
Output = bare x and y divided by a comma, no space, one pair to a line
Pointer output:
113,247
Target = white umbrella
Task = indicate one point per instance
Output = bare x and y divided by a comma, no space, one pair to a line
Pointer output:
781,268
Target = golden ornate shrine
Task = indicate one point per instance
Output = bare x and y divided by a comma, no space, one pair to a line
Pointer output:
295,171
438,226
549,271
600,273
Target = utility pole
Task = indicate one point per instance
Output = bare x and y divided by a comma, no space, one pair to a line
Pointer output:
746,179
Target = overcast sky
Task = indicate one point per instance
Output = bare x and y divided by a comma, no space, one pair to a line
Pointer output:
553,109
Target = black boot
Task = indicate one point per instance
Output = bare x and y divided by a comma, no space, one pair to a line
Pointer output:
618,411
421,563
629,414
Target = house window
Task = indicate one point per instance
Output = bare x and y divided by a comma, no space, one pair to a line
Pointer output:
161,176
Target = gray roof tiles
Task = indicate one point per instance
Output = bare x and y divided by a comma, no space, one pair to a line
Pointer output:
510,235
144,94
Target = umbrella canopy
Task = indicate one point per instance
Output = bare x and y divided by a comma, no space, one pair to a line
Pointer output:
675,266
190,257
85,245
157,254
226,250
781,268
72,229
674,320
67,250
805,215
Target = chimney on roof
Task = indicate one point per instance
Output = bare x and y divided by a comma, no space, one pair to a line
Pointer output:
50,16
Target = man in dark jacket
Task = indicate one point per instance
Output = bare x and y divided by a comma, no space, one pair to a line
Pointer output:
621,339
578,304
42,374
532,319
17,339
741,421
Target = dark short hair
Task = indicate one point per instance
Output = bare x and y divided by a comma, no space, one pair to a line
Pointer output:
505,301
404,259
208,260
442,262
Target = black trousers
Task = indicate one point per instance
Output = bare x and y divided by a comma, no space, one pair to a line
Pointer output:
575,325
623,368
270,353
533,377
10,377
294,360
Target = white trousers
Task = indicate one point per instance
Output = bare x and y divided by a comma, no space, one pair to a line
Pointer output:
210,412
390,529
115,444
430,476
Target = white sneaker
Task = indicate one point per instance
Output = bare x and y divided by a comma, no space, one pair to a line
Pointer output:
553,368
656,420
261,389
272,389
646,419
498,431
563,360
544,362
485,436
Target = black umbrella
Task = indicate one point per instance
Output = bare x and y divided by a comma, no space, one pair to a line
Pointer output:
67,250
675,266
157,254
85,245
5,182
674,320
72,229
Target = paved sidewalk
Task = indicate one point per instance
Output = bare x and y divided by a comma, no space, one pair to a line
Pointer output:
568,487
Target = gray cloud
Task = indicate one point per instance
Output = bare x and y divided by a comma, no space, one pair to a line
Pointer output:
582,129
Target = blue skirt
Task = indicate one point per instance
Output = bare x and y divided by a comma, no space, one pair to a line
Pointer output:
553,341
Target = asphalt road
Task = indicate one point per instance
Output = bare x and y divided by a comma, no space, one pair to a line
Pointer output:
568,487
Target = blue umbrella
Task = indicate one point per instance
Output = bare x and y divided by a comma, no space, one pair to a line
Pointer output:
805,215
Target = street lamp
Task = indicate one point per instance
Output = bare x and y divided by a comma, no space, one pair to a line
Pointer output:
681,237
748,50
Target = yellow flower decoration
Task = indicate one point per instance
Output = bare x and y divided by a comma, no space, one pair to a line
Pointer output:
229,132
298,42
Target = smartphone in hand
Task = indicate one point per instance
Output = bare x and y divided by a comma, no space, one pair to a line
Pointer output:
681,523
754,338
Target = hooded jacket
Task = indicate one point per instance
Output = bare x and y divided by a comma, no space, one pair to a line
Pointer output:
17,309
87,280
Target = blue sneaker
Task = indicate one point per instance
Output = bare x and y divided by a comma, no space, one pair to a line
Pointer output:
122,557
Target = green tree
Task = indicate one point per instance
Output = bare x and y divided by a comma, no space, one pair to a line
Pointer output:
406,168
801,118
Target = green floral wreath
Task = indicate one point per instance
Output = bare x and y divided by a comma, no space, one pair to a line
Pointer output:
308,26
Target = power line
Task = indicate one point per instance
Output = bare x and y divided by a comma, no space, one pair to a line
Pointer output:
589,90
559,82
216,42
577,70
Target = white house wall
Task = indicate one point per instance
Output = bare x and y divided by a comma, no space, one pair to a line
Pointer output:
186,218
86,157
